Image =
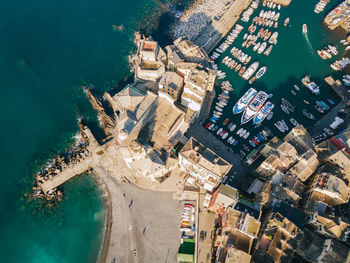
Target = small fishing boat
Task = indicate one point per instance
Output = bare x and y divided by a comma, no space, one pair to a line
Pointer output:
215,128
213,120
211,127
306,102
284,124
216,116
260,72
294,122
233,127
238,67
217,113
261,139
304,28
243,133
207,125
256,139
218,108
308,114
252,143
239,131
269,116
240,73
225,135
279,126
246,135
293,92
331,102
251,81
284,108
225,121
263,135
286,21
219,131
296,87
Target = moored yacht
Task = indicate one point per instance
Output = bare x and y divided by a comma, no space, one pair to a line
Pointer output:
250,71
310,85
263,112
254,107
243,101
260,72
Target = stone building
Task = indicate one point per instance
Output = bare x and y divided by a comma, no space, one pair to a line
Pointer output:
203,165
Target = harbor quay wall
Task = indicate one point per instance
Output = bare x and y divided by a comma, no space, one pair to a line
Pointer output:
328,118
282,2
217,29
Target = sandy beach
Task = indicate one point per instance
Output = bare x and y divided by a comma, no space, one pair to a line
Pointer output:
156,213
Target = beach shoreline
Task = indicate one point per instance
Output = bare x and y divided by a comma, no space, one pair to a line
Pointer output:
107,200
128,216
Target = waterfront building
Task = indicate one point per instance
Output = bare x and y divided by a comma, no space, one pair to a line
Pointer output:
328,185
191,52
305,166
170,86
280,160
203,165
271,146
148,49
150,59
133,110
174,57
335,152
300,139
222,198
146,161
281,187
198,82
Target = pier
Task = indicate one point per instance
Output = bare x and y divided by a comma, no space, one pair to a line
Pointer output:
217,29
67,174
328,118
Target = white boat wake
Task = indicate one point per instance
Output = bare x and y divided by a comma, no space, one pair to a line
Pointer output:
309,43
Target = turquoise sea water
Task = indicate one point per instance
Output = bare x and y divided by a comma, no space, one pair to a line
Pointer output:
294,56
47,50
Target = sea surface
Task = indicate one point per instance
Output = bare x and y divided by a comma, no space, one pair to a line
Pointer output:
294,56
48,49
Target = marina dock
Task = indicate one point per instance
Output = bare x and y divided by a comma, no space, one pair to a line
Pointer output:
327,119
216,30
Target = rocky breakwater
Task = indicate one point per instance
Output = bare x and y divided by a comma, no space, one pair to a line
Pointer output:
64,161
107,122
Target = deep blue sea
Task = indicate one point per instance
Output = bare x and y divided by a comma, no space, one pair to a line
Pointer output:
48,49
